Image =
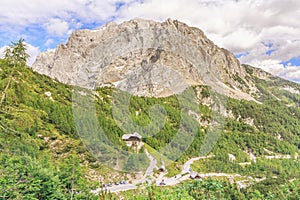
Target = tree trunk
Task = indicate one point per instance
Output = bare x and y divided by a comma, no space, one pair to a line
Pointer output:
4,92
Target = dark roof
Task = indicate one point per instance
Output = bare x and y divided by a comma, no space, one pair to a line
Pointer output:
135,134
194,175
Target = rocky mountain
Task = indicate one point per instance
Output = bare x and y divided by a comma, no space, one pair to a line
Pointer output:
146,58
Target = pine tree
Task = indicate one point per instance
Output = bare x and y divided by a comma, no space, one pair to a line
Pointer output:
16,54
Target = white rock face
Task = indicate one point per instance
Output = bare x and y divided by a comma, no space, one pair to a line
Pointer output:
145,58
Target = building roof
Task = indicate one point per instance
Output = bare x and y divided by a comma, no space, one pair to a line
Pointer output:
135,134
162,167
194,175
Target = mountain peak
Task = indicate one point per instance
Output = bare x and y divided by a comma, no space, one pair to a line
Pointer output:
145,58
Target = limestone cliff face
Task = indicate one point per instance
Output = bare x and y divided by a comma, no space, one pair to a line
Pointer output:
145,58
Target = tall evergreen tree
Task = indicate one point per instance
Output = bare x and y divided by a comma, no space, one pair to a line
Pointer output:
16,54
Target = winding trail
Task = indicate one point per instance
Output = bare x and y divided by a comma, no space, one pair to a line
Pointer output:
187,165
184,175
148,176
152,165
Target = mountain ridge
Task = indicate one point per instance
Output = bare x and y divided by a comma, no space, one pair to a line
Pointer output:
148,60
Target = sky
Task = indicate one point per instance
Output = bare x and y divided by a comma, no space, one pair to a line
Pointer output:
262,33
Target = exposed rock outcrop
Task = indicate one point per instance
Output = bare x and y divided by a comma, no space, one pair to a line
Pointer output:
145,58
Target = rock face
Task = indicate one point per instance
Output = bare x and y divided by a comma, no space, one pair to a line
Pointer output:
145,58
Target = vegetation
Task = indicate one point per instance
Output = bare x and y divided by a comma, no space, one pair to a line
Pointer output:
43,157
217,189
40,155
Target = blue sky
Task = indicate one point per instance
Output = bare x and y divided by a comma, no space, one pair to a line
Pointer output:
263,33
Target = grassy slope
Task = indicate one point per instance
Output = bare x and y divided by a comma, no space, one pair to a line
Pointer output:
39,147
41,133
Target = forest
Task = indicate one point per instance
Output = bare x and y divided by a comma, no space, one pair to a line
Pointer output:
42,155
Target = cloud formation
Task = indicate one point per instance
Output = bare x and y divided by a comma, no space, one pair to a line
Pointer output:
266,32
57,27
289,72
33,52
2,51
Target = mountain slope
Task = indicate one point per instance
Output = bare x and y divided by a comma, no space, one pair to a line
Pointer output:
41,156
44,155
38,128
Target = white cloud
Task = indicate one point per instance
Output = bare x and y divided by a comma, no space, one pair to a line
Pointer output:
275,67
291,73
51,50
271,66
22,13
33,52
2,49
49,42
57,27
